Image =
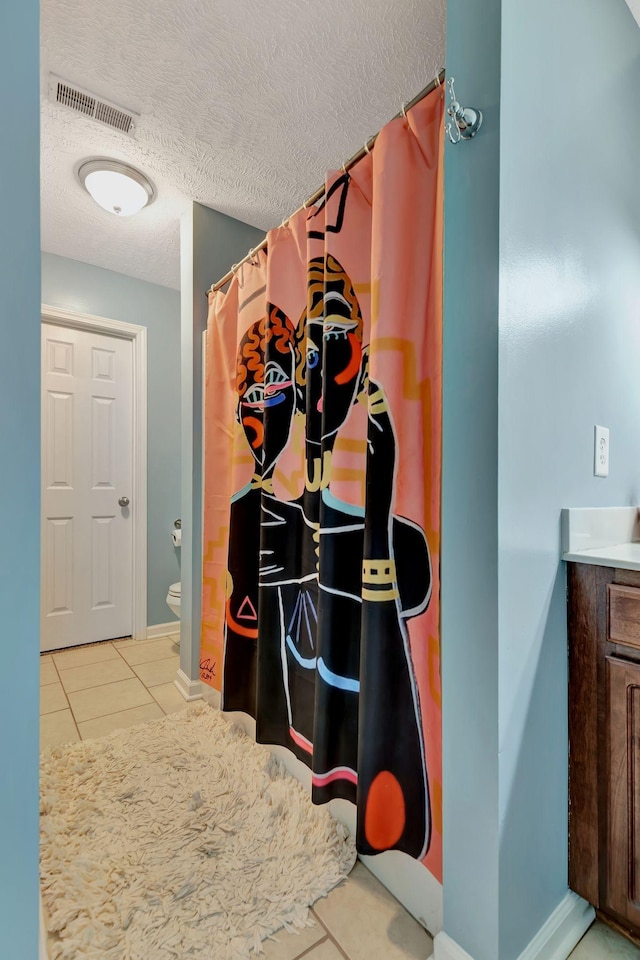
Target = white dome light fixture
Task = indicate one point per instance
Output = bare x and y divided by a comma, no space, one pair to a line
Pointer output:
115,186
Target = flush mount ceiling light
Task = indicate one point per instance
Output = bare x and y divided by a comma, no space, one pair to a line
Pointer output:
116,186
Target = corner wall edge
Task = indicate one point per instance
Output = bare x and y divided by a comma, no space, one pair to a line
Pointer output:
189,689
555,939
562,930
445,948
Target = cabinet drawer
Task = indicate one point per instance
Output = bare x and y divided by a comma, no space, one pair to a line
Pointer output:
624,614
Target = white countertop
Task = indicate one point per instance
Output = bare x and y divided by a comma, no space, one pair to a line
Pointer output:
605,536
624,555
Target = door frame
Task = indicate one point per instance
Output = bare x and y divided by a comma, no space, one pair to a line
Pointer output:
138,337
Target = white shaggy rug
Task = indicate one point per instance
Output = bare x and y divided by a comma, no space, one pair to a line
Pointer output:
179,838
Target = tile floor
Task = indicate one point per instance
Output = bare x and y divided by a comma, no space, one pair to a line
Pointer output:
90,691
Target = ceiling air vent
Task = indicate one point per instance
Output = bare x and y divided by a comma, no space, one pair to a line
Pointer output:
75,98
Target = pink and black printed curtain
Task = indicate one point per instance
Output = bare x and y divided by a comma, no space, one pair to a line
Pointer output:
322,488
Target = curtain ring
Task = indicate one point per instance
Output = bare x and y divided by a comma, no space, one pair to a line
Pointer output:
367,148
344,169
234,267
285,223
404,109
438,80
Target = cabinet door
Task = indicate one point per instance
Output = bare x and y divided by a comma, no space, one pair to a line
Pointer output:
623,789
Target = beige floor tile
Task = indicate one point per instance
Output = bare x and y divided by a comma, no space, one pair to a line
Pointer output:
325,951
289,946
168,697
82,656
151,650
48,673
52,698
95,674
370,924
101,726
110,698
600,942
57,728
158,671
46,658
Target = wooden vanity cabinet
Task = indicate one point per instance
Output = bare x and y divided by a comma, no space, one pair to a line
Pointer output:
604,740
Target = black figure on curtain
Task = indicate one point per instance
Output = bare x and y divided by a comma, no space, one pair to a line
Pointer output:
336,586
265,372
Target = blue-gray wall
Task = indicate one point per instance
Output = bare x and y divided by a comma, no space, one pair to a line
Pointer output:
210,242
569,358
86,289
470,489
19,477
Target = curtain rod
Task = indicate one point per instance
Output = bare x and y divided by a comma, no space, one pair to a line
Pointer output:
436,82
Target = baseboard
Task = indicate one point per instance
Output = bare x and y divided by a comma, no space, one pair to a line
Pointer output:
444,948
557,937
163,629
190,689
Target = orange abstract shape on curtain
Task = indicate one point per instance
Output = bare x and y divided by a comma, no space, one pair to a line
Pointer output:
322,489
385,813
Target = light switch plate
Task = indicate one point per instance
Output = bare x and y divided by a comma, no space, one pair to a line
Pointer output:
601,451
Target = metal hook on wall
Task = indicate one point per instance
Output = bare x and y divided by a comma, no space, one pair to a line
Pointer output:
465,121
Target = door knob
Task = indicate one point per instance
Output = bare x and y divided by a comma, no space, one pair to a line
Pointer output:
124,501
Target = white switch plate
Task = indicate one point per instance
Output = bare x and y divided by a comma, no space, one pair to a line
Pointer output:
601,451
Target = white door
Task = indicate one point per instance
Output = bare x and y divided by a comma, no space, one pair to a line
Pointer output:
87,456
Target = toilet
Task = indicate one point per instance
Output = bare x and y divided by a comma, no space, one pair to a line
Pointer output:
173,598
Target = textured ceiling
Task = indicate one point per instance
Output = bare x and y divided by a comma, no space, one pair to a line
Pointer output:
243,105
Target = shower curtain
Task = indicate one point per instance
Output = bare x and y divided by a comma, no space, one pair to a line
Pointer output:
322,488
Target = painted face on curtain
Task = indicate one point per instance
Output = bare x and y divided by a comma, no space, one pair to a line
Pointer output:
333,361
265,382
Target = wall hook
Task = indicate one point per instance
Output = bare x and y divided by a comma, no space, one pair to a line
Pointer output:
465,121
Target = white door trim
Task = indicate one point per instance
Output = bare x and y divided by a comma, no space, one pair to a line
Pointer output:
138,337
